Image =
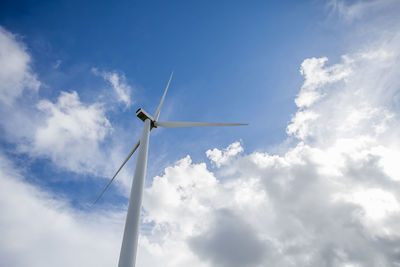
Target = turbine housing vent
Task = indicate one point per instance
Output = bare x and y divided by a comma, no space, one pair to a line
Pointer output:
143,115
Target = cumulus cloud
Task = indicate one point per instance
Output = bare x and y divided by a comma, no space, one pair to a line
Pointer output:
219,157
230,242
118,83
359,92
277,210
316,75
71,132
331,200
15,72
68,131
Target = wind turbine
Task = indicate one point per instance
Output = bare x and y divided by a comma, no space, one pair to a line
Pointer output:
128,252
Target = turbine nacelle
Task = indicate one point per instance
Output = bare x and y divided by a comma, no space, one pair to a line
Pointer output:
143,115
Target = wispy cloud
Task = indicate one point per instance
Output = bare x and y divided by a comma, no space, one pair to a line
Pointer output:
353,10
15,72
118,83
57,64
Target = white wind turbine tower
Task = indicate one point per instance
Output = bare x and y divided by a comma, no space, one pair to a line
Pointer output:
127,256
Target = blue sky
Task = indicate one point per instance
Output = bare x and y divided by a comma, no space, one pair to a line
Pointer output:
294,70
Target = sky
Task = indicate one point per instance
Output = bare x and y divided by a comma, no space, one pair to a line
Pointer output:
313,180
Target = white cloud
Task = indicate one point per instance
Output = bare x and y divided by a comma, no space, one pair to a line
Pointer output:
71,133
359,92
118,83
377,203
316,74
277,210
38,229
219,157
15,71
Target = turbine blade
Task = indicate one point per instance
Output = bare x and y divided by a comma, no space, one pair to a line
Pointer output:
112,179
157,114
177,124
